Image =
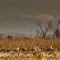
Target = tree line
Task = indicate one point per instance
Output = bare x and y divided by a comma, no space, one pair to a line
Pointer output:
48,26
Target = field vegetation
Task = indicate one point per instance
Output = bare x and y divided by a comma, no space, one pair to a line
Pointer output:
29,49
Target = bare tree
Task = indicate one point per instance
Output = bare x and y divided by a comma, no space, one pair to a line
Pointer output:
37,33
57,27
44,26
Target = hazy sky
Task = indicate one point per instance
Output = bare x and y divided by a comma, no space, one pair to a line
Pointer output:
19,15
27,7
17,25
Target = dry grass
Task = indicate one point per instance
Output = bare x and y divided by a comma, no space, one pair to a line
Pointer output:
30,42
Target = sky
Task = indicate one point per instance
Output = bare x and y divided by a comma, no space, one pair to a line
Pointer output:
21,15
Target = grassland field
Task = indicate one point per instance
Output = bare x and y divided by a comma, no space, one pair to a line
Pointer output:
43,43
